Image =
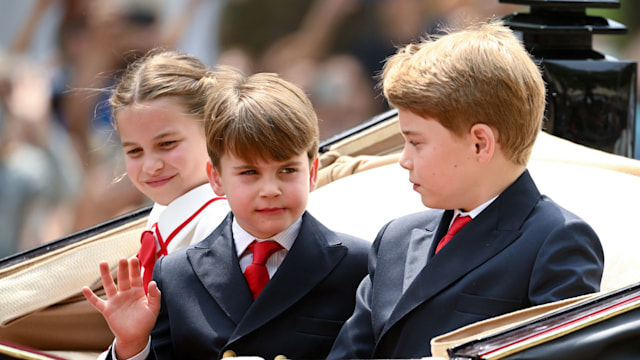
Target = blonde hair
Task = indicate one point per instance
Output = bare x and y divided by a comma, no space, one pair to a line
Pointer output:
162,74
480,74
260,116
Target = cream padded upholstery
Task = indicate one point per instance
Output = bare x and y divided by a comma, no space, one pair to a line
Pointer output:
607,199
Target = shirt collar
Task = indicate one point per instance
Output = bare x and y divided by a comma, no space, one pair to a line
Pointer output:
285,238
475,212
181,208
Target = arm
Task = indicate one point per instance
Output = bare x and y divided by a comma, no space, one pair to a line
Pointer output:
355,339
569,263
314,37
23,39
128,311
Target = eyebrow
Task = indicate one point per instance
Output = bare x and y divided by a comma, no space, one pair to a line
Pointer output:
284,164
292,163
127,143
408,132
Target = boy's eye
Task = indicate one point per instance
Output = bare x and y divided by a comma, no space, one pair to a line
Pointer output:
289,170
249,172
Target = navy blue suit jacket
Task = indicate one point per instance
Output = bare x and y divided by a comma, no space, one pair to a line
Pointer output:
207,307
522,250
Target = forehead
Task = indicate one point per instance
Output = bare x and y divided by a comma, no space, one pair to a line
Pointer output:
412,124
259,160
163,104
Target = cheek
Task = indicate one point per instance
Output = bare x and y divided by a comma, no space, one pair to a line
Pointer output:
189,160
300,189
423,163
239,201
132,166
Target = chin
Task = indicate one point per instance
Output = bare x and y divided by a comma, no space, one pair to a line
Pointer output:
433,204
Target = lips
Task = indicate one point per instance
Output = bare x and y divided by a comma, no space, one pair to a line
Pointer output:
271,211
415,185
157,182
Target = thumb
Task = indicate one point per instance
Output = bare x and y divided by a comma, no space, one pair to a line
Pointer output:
153,299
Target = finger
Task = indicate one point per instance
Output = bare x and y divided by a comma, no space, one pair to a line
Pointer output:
154,297
107,280
123,275
93,299
136,273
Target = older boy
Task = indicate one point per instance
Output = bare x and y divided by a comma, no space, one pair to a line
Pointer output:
470,106
217,299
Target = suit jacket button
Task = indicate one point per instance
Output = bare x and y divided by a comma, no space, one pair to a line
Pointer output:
228,354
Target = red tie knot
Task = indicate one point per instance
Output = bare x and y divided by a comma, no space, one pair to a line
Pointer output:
256,273
458,223
263,250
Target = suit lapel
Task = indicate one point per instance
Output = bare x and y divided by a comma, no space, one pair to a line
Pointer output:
409,251
215,263
314,254
496,227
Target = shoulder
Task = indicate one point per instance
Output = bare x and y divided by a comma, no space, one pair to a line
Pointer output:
210,218
173,260
355,244
333,237
428,219
547,211
523,206
550,229
178,256
215,211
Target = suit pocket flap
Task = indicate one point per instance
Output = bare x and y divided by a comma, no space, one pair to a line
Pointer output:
320,327
486,306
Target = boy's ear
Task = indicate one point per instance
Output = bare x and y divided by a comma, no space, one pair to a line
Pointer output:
313,176
214,179
485,141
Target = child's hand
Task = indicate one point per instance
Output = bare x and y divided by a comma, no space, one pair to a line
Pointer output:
129,312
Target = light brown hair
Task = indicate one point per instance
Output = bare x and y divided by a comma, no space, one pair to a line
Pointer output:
162,74
480,74
260,116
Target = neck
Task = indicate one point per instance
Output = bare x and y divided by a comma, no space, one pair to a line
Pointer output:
494,181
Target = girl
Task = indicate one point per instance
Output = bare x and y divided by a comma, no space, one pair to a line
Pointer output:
158,111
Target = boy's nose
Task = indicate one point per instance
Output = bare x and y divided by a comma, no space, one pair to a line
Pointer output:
270,188
404,160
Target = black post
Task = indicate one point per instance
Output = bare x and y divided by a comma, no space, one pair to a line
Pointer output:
591,97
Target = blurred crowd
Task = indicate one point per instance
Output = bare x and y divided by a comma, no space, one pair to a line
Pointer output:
60,162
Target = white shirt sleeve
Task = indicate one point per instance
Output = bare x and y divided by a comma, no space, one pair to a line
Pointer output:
139,356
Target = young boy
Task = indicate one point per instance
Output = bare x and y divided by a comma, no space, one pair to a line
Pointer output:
262,139
470,106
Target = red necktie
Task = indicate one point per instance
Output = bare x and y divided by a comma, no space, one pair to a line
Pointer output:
150,239
458,223
148,254
256,273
